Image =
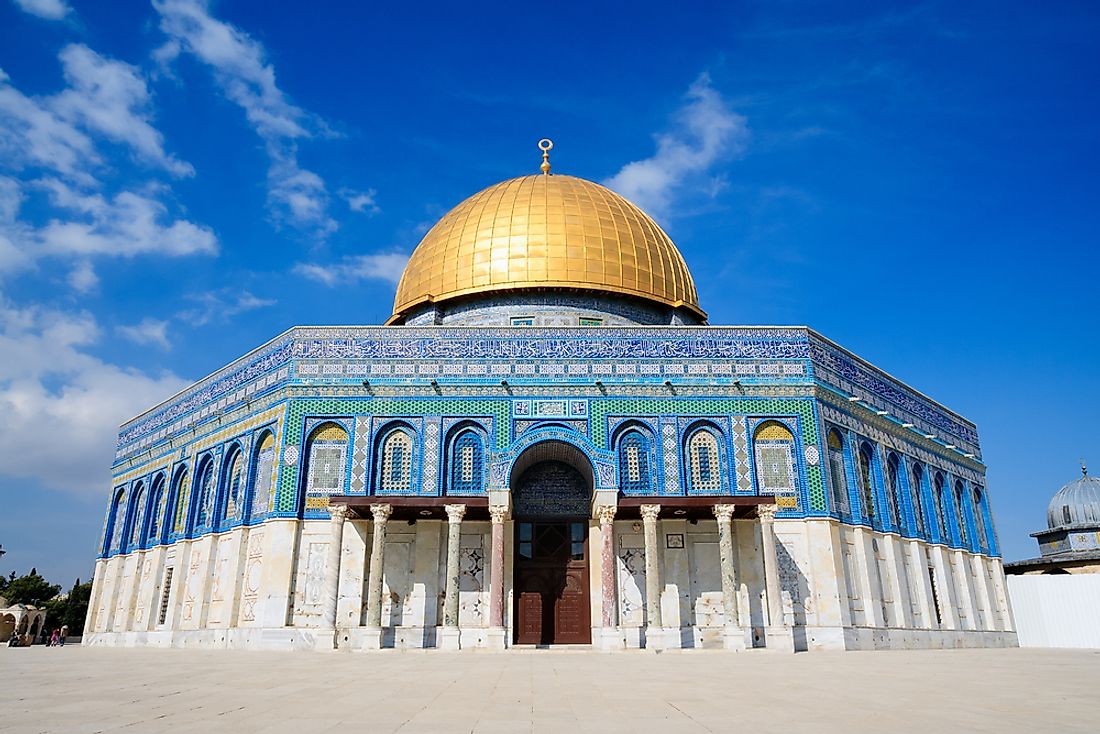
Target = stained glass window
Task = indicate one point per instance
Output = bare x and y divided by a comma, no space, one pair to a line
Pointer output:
837,472
396,474
467,463
772,445
263,481
704,469
917,490
893,488
866,481
634,462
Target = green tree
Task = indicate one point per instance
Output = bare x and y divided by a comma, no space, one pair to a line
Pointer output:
30,589
77,609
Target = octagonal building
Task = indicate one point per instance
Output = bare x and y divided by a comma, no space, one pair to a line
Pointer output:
548,444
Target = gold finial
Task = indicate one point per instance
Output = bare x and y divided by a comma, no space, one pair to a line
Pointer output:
546,145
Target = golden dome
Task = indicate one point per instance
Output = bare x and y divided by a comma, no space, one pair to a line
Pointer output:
545,231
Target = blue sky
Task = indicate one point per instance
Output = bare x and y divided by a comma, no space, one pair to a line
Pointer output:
181,181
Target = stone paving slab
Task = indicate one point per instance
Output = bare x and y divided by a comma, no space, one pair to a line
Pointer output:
75,690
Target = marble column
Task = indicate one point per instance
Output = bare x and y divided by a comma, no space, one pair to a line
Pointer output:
724,515
381,514
653,635
496,637
734,636
778,635
606,514
449,635
338,515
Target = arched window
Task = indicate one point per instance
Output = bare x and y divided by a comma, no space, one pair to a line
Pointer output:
234,485
110,535
634,462
395,468
866,480
133,522
960,512
328,453
263,479
979,519
941,506
773,447
837,472
204,493
156,508
704,462
467,463
181,499
917,491
893,488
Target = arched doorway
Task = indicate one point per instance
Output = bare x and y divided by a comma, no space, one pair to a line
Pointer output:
551,504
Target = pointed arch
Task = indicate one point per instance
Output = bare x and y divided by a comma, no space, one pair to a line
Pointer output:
465,465
867,481
202,493
894,502
633,443
939,483
111,532
979,519
261,488
838,471
395,459
131,537
918,483
179,502
960,501
230,496
773,452
152,524
704,453
326,465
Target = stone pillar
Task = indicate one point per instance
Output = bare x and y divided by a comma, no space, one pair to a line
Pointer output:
778,636
733,636
609,633
337,517
496,636
918,567
381,514
654,638
449,635
962,584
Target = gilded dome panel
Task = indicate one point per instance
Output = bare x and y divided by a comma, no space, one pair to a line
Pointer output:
546,231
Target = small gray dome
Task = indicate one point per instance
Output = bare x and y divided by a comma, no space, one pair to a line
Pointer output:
1077,503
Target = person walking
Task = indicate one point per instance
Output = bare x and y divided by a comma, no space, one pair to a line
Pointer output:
64,634
53,637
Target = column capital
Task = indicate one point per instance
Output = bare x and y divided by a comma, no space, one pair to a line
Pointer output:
337,513
455,513
381,512
606,513
724,513
766,513
497,513
649,512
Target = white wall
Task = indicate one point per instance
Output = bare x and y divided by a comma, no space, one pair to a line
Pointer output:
1056,611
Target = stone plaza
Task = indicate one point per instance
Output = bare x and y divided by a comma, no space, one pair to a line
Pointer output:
79,689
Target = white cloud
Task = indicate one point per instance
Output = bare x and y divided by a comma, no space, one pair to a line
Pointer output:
147,331
386,266
110,98
362,202
126,225
297,196
83,278
50,386
706,131
33,134
222,305
48,9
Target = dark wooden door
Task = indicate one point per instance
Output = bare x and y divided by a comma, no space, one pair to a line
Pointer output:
551,571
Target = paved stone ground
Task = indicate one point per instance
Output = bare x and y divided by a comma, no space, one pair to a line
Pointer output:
73,689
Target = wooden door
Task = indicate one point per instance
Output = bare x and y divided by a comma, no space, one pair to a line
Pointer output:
552,601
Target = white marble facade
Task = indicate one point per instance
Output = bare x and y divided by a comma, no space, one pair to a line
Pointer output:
842,587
